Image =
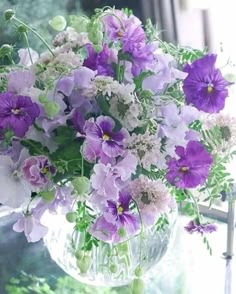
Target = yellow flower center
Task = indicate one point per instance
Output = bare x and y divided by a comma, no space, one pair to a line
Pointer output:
120,210
106,137
184,169
16,111
209,89
120,34
44,170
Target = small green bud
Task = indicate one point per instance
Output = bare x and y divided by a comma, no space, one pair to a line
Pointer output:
8,135
122,232
79,23
137,286
138,271
113,268
51,108
81,185
79,254
58,23
48,196
22,29
9,14
95,36
43,99
84,264
6,50
97,48
71,217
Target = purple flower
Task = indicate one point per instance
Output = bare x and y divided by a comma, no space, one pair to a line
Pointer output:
37,170
102,61
205,86
17,113
108,180
31,226
196,227
117,220
192,167
20,80
102,141
103,230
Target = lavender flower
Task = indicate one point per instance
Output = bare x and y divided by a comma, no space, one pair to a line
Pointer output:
102,61
196,227
103,230
192,167
118,215
102,141
17,113
37,170
31,227
20,80
16,190
205,86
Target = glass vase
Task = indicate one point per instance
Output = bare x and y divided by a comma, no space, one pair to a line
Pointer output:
109,265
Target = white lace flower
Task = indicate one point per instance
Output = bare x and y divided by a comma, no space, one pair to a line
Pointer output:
146,147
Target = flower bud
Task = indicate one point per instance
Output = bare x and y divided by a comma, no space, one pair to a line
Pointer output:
137,286
113,268
43,99
84,264
58,23
51,108
95,36
71,217
79,23
138,271
6,50
48,195
81,185
97,48
9,14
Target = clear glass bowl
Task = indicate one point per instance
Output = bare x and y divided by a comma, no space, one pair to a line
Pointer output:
106,265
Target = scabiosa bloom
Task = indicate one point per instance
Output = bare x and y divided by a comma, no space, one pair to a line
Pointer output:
31,226
37,170
102,141
152,197
146,147
119,215
205,86
192,167
194,226
17,113
102,61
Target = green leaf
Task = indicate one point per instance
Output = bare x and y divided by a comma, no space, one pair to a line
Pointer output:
34,147
64,135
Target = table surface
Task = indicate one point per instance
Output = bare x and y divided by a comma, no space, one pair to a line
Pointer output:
187,268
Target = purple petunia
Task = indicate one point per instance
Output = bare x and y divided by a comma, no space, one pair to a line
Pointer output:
102,141
102,61
192,167
196,227
205,86
117,220
37,170
17,113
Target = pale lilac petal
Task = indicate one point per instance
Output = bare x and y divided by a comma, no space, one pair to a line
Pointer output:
25,57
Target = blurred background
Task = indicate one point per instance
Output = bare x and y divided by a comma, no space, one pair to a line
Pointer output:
196,23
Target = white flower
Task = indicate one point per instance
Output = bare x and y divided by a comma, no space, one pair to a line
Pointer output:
15,191
146,148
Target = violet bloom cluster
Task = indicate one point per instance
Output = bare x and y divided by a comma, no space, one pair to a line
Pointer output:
205,87
133,39
192,168
17,113
196,227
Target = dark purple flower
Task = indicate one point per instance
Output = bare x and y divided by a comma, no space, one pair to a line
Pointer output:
37,170
192,167
17,113
118,222
205,86
102,61
196,227
101,139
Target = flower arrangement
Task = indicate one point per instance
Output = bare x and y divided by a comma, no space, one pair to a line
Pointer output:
113,128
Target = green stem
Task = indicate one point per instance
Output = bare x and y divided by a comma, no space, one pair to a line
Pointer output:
199,216
28,47
34,32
